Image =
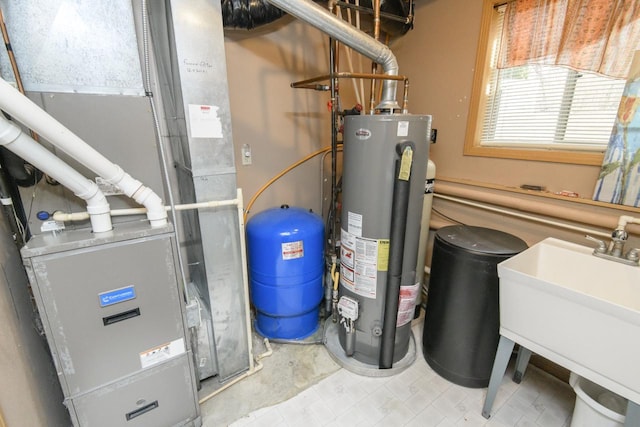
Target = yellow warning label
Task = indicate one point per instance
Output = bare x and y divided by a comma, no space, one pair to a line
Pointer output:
383,255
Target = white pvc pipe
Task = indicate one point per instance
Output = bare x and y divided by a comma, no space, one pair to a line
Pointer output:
245,274
24,110
12,137
81,216
626,219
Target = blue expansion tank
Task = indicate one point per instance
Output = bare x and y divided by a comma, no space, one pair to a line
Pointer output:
286,264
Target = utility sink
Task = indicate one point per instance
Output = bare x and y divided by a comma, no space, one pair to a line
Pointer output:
580,311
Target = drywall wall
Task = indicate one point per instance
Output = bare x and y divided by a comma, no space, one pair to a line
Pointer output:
281,124
30,394
439,56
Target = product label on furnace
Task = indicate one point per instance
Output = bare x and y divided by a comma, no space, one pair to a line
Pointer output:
360,261
116,296
163,352
292,250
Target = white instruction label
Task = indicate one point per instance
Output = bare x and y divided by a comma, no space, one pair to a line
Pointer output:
354,223
51,225
163,352
407,303
292,250
204,121
403,128
359,264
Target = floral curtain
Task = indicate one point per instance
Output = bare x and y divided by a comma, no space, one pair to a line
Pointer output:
619,179
588,35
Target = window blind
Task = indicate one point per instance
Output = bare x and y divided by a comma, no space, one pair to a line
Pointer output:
547,106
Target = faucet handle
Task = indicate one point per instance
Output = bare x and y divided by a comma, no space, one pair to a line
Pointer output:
633,254
602,246
619,234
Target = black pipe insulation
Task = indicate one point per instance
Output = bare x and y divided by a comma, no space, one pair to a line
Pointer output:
399,209
249,14
22,173
12,206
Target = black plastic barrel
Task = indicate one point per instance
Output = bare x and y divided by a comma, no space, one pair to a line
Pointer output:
462,321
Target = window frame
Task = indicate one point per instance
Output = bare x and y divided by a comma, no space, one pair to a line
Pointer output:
472,145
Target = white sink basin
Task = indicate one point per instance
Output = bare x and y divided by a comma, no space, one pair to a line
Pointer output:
580,311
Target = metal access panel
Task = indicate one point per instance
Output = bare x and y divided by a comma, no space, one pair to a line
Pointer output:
160,396
112,311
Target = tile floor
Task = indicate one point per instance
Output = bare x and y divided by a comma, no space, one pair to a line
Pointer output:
419,397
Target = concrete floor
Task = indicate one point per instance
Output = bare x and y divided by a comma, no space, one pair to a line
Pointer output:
300,385
291,369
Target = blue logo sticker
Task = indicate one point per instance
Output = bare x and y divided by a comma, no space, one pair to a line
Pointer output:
117,295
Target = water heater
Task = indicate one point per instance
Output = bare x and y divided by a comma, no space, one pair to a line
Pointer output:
374,146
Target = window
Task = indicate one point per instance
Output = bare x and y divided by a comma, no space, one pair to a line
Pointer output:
537,112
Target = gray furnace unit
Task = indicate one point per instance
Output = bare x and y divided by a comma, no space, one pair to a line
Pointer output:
111,308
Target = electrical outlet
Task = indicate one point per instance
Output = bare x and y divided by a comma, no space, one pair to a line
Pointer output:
246,154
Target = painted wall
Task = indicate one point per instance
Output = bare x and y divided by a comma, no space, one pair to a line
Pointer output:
439,56
30,394
281,124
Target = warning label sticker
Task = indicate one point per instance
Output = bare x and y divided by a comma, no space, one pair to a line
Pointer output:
359,263
292,250
163,352
407,303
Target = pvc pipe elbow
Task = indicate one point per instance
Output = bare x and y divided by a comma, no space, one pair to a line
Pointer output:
9,132
156,212
626,219
99,210
623,220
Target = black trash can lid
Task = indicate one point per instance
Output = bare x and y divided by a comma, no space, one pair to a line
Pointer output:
481,240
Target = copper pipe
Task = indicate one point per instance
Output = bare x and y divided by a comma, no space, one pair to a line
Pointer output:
374,66
376,19
386,42
368,11
12,57
310,83
405,97
372,98
348,75
322,88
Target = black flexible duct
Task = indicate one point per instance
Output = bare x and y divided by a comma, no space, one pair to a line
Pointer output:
249,14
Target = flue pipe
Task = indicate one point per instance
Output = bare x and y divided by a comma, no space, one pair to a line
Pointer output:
357,40
14,139
24,110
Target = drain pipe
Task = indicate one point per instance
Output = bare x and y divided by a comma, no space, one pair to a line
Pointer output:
14,139
357,40
27,112
399,209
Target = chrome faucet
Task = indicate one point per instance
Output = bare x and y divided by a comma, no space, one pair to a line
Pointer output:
615,250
